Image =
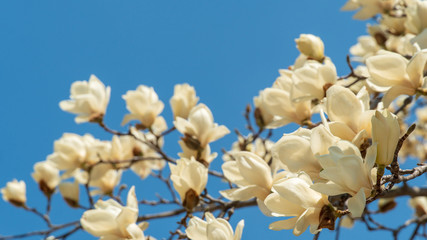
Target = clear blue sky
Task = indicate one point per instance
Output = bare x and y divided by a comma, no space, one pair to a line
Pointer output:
228,50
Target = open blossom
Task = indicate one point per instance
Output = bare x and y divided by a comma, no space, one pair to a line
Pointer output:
311,46
213,229
350,114
200,128
183,100
386,133
348,173
143,104
394,74
14,192
277,106
110,220
293,197
366,46
251,174
368,8
73,151
89,100
47,176
189,179
105,178
312,80
416,20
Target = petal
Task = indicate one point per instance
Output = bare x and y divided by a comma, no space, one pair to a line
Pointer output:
387,69
394,92
356,204
283,224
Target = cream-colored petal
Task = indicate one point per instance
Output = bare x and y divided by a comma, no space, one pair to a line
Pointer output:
356,204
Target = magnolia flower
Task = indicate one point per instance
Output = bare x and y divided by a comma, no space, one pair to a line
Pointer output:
349,113
368,8
347,173
104,177
420,205
293,197
416,20
14,192
366,46
89,100
277,102
250,173
47,176
311,46
72,152
200,128
386,133
213,229
143,104
183,100
312,80
70,193
401,44
110,220
189,179
395,75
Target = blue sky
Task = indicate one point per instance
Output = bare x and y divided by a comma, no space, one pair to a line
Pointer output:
228,50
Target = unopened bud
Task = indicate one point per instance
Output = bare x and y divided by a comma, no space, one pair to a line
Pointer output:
191,200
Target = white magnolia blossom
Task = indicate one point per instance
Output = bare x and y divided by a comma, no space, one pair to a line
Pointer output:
312,80
72,152
416,20
366,46
368,8
15,193
277,102
311,46
401,44
110,220
213,229
89,100
105,178
189,179
70,192
394,74
47,176
386,133
183,100
200,126
293,197
250,173
348,173
350,114
143,104
420,205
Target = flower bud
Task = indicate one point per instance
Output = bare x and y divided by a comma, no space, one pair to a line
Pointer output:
47,176
385,132
311,46
183,100
14,192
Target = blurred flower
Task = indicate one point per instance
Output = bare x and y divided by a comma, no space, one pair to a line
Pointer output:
89,100
70,193
183,100
420,205
14,192
143,104
47,176
213,229
110,220
104,177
